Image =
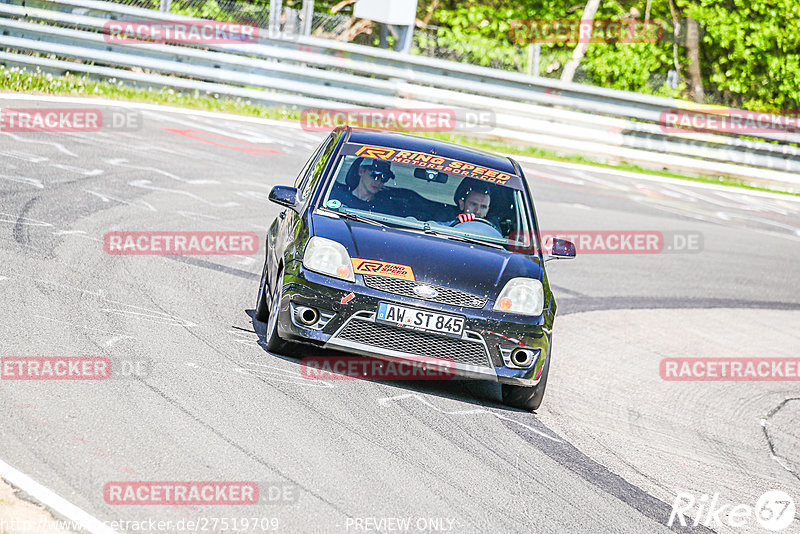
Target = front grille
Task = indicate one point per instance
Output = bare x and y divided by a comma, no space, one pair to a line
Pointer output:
446,295
412,342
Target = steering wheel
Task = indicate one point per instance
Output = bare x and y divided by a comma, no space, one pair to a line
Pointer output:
484,221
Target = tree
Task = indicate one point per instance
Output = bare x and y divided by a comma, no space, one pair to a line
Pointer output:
750,53
580,50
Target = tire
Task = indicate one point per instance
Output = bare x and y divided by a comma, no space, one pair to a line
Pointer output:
527,398
273,340
262,309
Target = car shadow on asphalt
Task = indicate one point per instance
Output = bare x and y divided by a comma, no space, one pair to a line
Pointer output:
475,392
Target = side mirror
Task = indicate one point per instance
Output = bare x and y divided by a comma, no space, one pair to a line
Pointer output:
562,250
284,196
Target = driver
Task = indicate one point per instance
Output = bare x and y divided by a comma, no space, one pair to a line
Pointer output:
474,204
473,198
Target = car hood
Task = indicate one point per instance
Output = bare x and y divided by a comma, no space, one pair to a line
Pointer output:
476,269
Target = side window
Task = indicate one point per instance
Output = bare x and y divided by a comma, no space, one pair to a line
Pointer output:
319,166
301,178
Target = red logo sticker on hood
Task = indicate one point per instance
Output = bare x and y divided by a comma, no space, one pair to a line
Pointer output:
382,268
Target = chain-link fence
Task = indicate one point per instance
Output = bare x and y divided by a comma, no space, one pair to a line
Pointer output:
429,41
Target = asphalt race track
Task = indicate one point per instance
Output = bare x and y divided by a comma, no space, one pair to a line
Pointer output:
611,448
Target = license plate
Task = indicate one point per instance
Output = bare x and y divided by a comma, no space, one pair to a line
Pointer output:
429,321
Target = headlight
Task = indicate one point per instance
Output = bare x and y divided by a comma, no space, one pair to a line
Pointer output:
524,296
325,256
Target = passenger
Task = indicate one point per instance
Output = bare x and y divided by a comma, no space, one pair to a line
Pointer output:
365,189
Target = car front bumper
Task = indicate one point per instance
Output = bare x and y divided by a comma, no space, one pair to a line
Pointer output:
348,324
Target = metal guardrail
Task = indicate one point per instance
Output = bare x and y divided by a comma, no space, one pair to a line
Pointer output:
309,72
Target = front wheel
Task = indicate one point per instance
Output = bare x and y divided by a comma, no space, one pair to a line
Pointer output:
274,341
527,398
262,309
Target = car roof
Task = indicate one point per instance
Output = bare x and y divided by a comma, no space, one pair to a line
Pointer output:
415,143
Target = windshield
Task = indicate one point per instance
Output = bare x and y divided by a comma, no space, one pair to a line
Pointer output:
419,198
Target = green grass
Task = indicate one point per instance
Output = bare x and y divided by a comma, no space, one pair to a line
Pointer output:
41,83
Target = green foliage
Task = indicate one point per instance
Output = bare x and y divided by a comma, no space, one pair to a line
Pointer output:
22,81
474,49
627,66
750,50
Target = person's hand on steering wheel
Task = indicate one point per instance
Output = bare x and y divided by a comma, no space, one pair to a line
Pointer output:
470,217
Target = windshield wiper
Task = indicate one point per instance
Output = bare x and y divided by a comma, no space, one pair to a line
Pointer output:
457,237
359,218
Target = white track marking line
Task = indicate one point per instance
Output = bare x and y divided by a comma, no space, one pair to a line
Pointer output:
61,321
53,501
108,198
594,179
24,180
24,156
291,125
197,216
122,162
61,148
15,219
78,170
384,401
254,137
147,184
538,162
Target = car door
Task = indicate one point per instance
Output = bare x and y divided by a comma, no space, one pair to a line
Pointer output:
290,229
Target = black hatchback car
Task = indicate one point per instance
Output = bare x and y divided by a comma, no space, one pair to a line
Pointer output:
408,249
